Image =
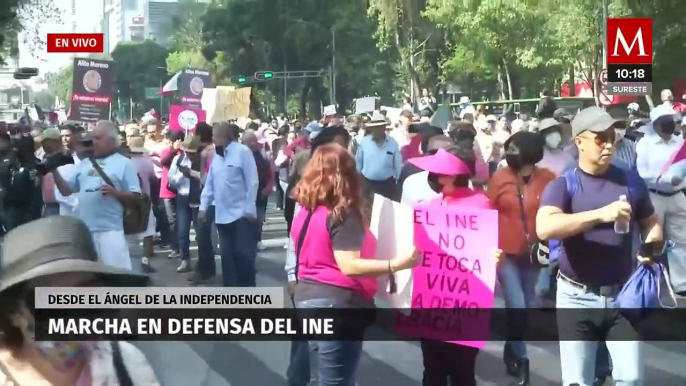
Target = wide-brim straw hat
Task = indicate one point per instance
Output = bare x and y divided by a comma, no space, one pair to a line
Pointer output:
190,144
137,145
56,245
377,120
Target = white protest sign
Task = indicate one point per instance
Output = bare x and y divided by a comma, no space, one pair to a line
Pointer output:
329,110
365,105
392,113
393,227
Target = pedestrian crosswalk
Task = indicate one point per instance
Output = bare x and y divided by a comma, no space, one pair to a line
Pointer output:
382,363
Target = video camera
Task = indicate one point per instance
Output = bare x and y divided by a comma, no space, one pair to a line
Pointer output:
54,161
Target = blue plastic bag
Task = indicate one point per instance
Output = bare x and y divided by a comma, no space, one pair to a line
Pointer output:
642,293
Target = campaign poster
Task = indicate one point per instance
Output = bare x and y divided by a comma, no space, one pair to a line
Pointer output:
92,90
185,118
191,84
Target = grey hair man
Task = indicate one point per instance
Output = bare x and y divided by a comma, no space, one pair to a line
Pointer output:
100,204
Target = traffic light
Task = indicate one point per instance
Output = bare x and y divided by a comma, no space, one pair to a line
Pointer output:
239,79
25,73
264,75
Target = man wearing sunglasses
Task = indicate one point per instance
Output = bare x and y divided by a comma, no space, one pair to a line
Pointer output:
580,208
666,185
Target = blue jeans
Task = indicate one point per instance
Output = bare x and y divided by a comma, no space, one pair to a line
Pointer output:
203,236
238,250
518,283
336,360
185,215
261,216
170,211
578,357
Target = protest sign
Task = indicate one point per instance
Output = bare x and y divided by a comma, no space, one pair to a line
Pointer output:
329,110
392,113
453,284
191,85
392,226
230,103
365,105
185,118
92,90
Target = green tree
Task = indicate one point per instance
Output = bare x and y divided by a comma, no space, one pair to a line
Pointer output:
138,65
44,98
218,68
25,17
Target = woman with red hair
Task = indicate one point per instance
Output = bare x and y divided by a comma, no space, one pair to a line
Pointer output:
335,250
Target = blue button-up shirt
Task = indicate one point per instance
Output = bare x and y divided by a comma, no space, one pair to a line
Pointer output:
231,184
379,162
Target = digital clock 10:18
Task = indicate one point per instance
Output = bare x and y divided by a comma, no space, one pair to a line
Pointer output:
630,73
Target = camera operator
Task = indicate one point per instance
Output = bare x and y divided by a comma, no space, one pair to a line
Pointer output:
54,154
22,200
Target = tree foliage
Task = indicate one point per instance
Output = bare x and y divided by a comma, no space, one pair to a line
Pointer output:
20,21
139,65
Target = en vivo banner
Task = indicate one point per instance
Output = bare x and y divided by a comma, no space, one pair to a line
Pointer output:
453,285
185,118
92,90
192,82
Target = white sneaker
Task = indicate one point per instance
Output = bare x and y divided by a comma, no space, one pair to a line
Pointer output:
285,246
260,246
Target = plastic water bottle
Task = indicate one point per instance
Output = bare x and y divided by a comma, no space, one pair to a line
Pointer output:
622,227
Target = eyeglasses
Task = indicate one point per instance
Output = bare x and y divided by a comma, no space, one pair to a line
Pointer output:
603,138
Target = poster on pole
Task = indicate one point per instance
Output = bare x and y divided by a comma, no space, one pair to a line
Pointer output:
185,118
92,90
365,105
191,85
453,286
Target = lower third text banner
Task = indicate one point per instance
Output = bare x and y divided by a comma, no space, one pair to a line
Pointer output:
381,324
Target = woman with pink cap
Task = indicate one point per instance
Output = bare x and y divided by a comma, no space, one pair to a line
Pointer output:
450,171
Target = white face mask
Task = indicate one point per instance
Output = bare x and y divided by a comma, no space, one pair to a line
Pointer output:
553,140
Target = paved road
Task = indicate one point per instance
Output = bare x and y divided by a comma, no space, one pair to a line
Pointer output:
383,363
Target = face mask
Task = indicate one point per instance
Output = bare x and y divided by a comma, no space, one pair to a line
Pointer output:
219,150
513,162
62,355
553,140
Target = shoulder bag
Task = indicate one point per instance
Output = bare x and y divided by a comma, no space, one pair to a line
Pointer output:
136,214
171,186
538,253
120,369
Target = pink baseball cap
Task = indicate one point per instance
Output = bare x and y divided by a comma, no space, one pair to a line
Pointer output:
442,163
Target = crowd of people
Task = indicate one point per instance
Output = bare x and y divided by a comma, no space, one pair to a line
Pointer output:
558,183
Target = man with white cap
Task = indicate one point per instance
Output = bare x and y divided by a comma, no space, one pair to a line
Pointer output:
653,153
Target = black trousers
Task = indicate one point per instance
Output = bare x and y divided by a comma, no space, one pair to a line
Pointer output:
447,364
280,194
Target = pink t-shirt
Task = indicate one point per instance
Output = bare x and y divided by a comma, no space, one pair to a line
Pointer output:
465,197
316,261
145,170
164,192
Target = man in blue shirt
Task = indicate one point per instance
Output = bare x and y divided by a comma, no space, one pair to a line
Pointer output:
100,205
379,160
232,184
